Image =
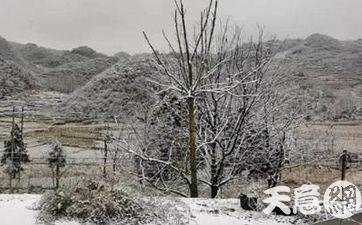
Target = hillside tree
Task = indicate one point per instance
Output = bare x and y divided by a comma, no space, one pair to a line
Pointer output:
222,89
56,160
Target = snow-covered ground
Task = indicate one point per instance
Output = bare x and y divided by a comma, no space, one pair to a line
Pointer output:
19,210
229,212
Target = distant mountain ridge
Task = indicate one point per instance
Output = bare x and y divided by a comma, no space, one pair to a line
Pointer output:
14,79
327,69
58,70
330,71
121,90
8,52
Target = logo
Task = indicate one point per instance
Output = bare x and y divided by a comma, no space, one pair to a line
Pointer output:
342,199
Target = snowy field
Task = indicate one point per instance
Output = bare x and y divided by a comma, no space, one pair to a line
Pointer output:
19,210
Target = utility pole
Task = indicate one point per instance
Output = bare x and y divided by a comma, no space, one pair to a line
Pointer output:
11,175
12,134
21,130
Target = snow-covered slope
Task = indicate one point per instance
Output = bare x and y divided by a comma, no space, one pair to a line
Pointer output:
19,210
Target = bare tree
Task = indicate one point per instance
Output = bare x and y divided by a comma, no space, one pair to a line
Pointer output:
191,68
231,115
244,128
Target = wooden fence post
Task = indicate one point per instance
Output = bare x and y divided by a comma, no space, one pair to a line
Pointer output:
105,159
115,161
344,158
22,119
57,176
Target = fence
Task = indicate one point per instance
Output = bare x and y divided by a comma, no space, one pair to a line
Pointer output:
105,163
37,175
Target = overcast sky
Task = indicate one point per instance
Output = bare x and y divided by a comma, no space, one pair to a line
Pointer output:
111,26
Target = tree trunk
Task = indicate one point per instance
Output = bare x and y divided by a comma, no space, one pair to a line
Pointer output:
11,183
57,177
53,176
214,176
192,147
214,181
214,190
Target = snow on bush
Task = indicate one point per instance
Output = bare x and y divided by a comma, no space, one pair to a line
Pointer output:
89,201
99,203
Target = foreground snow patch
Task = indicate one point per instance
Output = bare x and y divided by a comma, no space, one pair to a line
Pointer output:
229,212
19,210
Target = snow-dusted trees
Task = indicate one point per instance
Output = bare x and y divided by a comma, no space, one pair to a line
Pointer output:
222,111
15,153
244,129
189,67
228,134
56,160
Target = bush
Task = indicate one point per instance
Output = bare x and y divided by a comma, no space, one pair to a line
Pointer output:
89,201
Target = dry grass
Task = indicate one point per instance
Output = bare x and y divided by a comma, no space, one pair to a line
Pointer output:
344,135
75,135
321,176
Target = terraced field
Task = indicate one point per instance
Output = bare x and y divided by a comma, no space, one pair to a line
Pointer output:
82,140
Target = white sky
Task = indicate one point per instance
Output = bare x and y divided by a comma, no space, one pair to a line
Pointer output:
111,26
